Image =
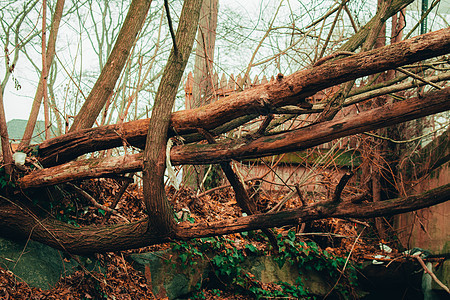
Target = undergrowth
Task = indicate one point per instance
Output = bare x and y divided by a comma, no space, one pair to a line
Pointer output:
230,274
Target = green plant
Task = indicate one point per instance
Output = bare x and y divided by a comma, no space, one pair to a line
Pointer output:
309,256
5,180
188,254
226,261
198,294
216,292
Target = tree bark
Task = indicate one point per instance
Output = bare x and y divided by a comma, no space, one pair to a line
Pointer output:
320,210
104,86
388,10
244,148
94,239
203,80
263,99
374,37
6,148
158,208
49,55
314,135
204,54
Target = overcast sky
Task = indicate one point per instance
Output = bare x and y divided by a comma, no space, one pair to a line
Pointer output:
18,101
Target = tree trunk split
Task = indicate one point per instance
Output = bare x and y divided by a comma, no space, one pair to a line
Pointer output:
154,157
94,239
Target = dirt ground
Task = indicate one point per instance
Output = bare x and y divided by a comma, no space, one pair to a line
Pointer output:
121,281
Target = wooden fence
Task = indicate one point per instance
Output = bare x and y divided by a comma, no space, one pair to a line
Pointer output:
228,85
223,87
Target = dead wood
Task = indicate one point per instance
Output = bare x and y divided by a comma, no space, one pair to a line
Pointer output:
245,202
341,185
295,140
92,239
263,99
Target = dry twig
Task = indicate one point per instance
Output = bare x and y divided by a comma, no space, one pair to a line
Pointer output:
426,270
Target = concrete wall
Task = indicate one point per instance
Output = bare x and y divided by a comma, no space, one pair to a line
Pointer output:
428,228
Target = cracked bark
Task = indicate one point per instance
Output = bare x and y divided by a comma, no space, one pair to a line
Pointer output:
154,157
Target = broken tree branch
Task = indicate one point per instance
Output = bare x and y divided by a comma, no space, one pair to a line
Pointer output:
428,271
95,203
242,198
126,181
295,140
94,238
340,187
420,78
291,90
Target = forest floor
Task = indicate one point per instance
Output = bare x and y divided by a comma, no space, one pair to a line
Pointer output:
122,281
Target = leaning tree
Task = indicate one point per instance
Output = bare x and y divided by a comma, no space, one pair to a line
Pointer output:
61,160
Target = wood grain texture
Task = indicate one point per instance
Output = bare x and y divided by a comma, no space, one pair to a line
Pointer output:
239,149
289,90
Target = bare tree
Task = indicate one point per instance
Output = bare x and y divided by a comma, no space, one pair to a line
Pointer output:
41,90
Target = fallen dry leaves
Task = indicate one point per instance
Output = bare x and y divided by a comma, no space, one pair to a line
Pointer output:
121,281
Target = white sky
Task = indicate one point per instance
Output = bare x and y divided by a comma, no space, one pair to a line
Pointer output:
17,106
18,102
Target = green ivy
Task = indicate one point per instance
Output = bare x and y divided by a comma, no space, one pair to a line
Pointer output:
226,261
308,255
5,180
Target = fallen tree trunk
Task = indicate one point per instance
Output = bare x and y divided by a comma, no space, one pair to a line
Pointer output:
244,148
94,239
263,99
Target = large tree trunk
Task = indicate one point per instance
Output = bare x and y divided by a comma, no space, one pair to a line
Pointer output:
204,55
290,90
50,54
4,138
203,83
92,239
104,86
244,148
154,163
